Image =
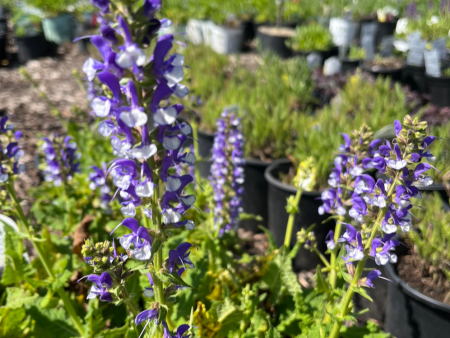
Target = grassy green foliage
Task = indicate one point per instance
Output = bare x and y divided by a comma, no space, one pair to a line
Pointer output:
270,99
361,101
313,37
356,53
432,241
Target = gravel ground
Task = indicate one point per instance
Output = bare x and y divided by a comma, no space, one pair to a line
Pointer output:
30,113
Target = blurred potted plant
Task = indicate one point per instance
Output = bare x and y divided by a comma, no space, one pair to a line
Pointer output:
361,101
391,66
420,288
59,23
30,41
272,37
355,57
433,28
439,88
269,101
313,38
386,23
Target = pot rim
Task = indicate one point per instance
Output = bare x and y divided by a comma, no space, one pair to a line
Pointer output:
383,71
400,284
283,186
434,79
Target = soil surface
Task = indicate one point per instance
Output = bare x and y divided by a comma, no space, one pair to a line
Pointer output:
277,31
422,278
385,64
30,113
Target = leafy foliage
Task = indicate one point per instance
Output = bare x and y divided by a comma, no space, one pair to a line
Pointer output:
310,38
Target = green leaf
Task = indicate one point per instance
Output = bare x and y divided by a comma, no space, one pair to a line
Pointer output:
156,245
272,244
61,280
272,333
17,298
321,283
362,292
172,278
13,273
51,323
162,313
13,322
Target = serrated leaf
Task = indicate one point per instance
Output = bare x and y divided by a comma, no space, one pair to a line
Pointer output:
51,323
13,322
272,333
362,292
17,298
61,280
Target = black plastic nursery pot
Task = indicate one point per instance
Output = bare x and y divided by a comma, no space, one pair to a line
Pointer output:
278,192
348,65
3,39
255,194
439,89
411,314
377,308
205,145
394,74
273,42
384,29
414,77
31,47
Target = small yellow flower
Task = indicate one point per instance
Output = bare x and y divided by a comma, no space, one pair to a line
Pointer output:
305,179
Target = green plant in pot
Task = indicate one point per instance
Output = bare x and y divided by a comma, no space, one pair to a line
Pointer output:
311,38
420,278
59,24
356,53
375,103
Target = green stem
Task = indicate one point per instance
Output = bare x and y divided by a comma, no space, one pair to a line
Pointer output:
158,286
43,257
69,212
290,224
322,258
194,127
333,272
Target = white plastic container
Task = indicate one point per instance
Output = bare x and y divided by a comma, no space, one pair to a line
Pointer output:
194,31
225,40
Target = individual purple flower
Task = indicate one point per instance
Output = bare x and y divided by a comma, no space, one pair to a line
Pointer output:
399,163
364,184
382,248
100,288
349,236
181,330
140,238
147,315
329,240
371,276
355,250
130,56
180,257
380,198
98,181
358,209
397,127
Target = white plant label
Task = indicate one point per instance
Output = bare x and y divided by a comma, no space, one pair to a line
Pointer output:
387,46
416,50
432,62
343,31
368,31
439,45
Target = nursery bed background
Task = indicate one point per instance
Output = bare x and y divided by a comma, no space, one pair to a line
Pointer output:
293,151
